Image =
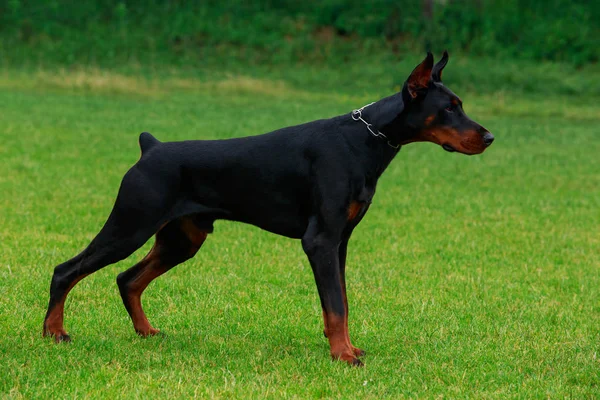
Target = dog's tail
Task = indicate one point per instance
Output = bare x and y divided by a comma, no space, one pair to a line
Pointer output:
147,141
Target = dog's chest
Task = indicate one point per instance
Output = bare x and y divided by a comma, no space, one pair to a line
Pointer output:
359,205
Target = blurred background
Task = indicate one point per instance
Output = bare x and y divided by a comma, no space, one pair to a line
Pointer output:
266,34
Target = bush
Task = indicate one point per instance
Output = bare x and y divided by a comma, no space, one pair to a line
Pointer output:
108,32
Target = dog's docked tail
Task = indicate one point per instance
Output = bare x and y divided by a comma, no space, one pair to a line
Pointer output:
147,141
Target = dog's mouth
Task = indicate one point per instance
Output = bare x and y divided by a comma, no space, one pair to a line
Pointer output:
462,150
448,148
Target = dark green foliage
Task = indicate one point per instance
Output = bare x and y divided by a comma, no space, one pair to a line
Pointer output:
106,32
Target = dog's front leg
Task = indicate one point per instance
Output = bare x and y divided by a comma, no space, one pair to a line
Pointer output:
322,250
343,249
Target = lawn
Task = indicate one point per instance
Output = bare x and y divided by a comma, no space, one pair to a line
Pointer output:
470,276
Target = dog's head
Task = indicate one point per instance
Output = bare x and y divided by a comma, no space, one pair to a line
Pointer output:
433,113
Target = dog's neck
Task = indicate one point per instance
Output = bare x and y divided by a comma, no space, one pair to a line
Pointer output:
373,153
385,116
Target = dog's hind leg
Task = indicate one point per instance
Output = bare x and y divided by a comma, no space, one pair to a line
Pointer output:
102,251
176,242
128,227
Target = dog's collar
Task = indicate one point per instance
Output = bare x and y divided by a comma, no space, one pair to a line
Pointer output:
357,116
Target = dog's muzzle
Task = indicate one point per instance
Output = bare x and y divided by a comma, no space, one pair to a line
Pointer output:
488,138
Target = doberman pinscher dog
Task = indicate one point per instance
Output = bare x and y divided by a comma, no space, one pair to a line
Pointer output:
313,182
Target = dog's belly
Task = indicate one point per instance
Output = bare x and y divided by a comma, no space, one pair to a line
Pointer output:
281,221
283,211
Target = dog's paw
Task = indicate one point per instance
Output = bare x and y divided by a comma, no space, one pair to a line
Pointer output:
349,358
358,352
149,332
60,336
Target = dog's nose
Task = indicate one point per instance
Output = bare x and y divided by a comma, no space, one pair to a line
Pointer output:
488,138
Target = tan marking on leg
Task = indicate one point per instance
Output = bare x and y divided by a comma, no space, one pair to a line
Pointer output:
152,269
337,333
357,352
149,271
140,321
195,235
53,325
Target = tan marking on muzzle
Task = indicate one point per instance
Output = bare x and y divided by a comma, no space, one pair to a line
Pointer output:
468,142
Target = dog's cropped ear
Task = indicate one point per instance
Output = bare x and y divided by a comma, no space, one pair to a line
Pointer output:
418,81
436,73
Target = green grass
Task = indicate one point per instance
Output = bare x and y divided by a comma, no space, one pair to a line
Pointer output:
470,276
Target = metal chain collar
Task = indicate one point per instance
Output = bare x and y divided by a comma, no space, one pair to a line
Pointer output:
357,116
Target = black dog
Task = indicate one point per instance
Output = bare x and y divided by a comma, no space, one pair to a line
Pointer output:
312,182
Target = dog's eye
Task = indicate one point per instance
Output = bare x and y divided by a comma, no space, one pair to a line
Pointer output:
450,108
